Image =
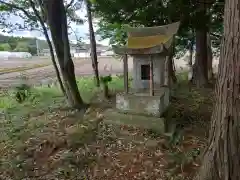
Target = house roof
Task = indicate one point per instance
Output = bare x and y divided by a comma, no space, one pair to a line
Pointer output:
148,40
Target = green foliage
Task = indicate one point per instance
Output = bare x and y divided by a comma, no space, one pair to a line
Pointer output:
27,44
72,16
42,98
22,44
32,50
113,14
106,79
115,32
5,47
88,87
22,92
21,47
23,9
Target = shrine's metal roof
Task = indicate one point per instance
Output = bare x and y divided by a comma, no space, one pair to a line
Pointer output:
169,29
148,40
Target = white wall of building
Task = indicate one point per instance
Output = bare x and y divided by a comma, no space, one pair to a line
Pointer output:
7,55
82,55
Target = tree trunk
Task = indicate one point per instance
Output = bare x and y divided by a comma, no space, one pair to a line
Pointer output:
190,64
93,43
200,71
210,57
58,26
222,157
50,46
190,53
171,70
200,77
172,75
105,90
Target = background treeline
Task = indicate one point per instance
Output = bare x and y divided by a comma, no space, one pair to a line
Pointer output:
21,44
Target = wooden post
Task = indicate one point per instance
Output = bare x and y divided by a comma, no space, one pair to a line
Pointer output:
166,73
125,73
151,77
162,73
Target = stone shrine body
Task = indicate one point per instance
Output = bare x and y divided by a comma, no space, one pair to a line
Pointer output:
150,48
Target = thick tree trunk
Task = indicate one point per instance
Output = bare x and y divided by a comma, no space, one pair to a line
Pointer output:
190,53
171,70
200,76
210,57
200,71
190,64
222,157
49,45
93,43
58,26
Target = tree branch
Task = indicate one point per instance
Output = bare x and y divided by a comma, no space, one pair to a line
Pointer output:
70,4
216,35
49,44
38,15
18,8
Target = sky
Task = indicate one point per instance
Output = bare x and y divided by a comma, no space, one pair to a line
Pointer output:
80,30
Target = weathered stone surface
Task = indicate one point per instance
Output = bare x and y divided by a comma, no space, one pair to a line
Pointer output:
142,103
114,117
158,71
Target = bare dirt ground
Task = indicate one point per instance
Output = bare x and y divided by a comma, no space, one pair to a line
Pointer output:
83,67
19,62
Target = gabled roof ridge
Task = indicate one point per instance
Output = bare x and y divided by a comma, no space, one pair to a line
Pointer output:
169,29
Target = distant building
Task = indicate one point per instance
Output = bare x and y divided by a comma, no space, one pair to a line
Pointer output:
45,52
11,55
107,53
83,51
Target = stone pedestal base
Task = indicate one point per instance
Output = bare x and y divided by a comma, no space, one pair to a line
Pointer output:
143,103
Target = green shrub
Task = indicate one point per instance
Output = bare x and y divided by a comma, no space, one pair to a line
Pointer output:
105,80
22,92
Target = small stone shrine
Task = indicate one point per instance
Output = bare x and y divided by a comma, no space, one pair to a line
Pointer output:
150,48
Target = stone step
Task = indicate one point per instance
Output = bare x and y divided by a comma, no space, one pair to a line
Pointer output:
112,116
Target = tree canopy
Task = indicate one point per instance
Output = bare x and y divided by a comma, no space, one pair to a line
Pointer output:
113,14
29,44
5,47
21,47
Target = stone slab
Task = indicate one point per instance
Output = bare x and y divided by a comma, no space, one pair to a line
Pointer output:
143,104
112,116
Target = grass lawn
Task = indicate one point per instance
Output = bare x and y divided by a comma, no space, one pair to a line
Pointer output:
43,98
41,139
37,117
